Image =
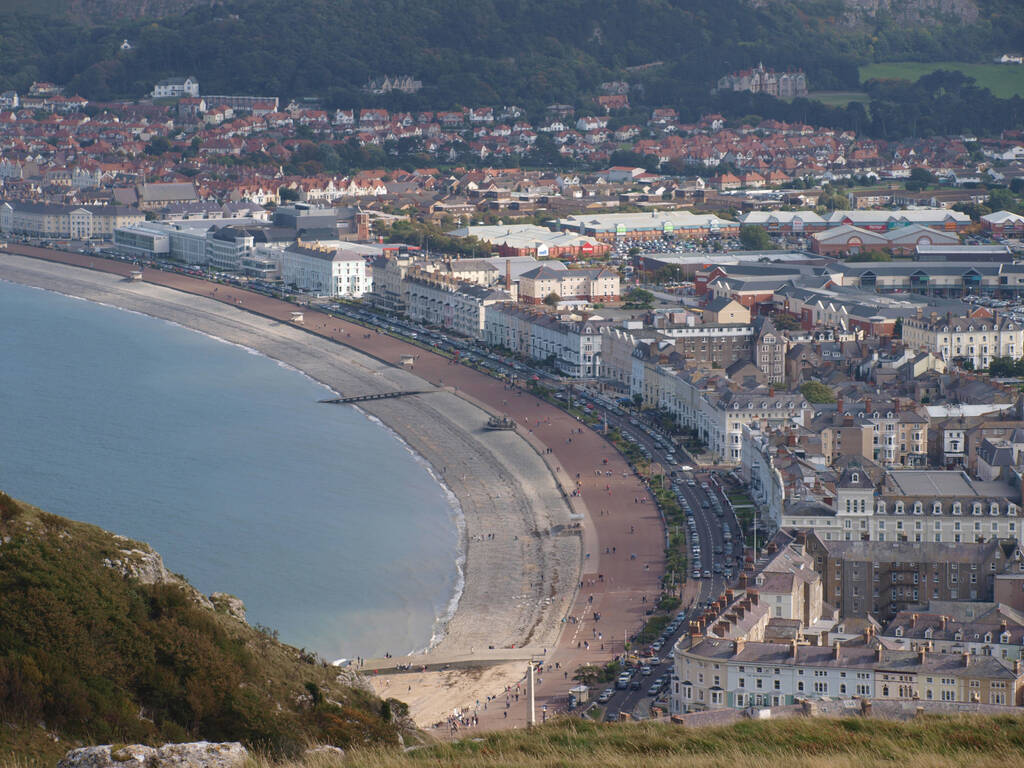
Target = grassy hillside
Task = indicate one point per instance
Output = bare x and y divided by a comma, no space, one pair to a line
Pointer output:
1004,80
90,653
798,743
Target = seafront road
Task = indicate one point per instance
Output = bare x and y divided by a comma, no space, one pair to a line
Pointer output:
623,552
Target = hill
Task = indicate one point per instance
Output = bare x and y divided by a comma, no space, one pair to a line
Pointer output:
100,644
525,52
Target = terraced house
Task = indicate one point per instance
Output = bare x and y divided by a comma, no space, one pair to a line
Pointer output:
719,674
974,339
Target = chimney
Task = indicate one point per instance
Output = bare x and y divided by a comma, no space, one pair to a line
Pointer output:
743,581
1016,667
792,649
508,276
738,645
739,612
878,653
913,620
1002,626
942,622
729,596
754,596
771,391
839,405
835,650
966,655
867,405
921,653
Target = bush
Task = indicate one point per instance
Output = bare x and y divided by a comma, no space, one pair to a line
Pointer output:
816,392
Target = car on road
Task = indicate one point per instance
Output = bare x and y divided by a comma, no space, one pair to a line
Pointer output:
605,696
622,681
645,670
707,574
695,574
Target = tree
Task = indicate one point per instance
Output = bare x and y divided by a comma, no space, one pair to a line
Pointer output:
552,299
870,256
287,193
638,298
157,145
755,238
1003,200
816,392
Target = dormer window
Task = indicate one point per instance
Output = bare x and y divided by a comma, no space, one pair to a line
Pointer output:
958,636
928,633
880,508
854,477
993,509
918,508
956,508
899,631
899,508
976,509
937,508
1004,638
988,637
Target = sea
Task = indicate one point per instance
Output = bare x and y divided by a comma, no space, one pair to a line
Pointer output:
323,521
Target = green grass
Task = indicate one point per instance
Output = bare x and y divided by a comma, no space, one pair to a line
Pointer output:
839,98
1004,80
926,742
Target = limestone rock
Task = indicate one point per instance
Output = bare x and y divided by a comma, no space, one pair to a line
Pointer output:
200,754
144,565
229,604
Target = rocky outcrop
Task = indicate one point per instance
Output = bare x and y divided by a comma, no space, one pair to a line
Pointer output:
137,561
200,754
229,604
145,565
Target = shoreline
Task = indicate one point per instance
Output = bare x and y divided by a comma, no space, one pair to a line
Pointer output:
438,630
388,414
571,576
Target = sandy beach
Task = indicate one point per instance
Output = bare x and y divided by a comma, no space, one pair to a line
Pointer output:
523,568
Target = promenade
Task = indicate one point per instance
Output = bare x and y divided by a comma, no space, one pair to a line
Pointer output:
623,540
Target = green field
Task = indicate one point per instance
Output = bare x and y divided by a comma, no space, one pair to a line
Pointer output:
1004,80
838,98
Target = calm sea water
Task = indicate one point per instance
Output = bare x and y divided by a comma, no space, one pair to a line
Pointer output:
322,521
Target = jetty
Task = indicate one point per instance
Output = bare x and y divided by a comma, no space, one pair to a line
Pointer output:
376,396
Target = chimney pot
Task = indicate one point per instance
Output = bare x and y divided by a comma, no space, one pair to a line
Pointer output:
966,655
835,650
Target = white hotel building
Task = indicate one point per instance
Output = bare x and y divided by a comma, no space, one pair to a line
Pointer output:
326,271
